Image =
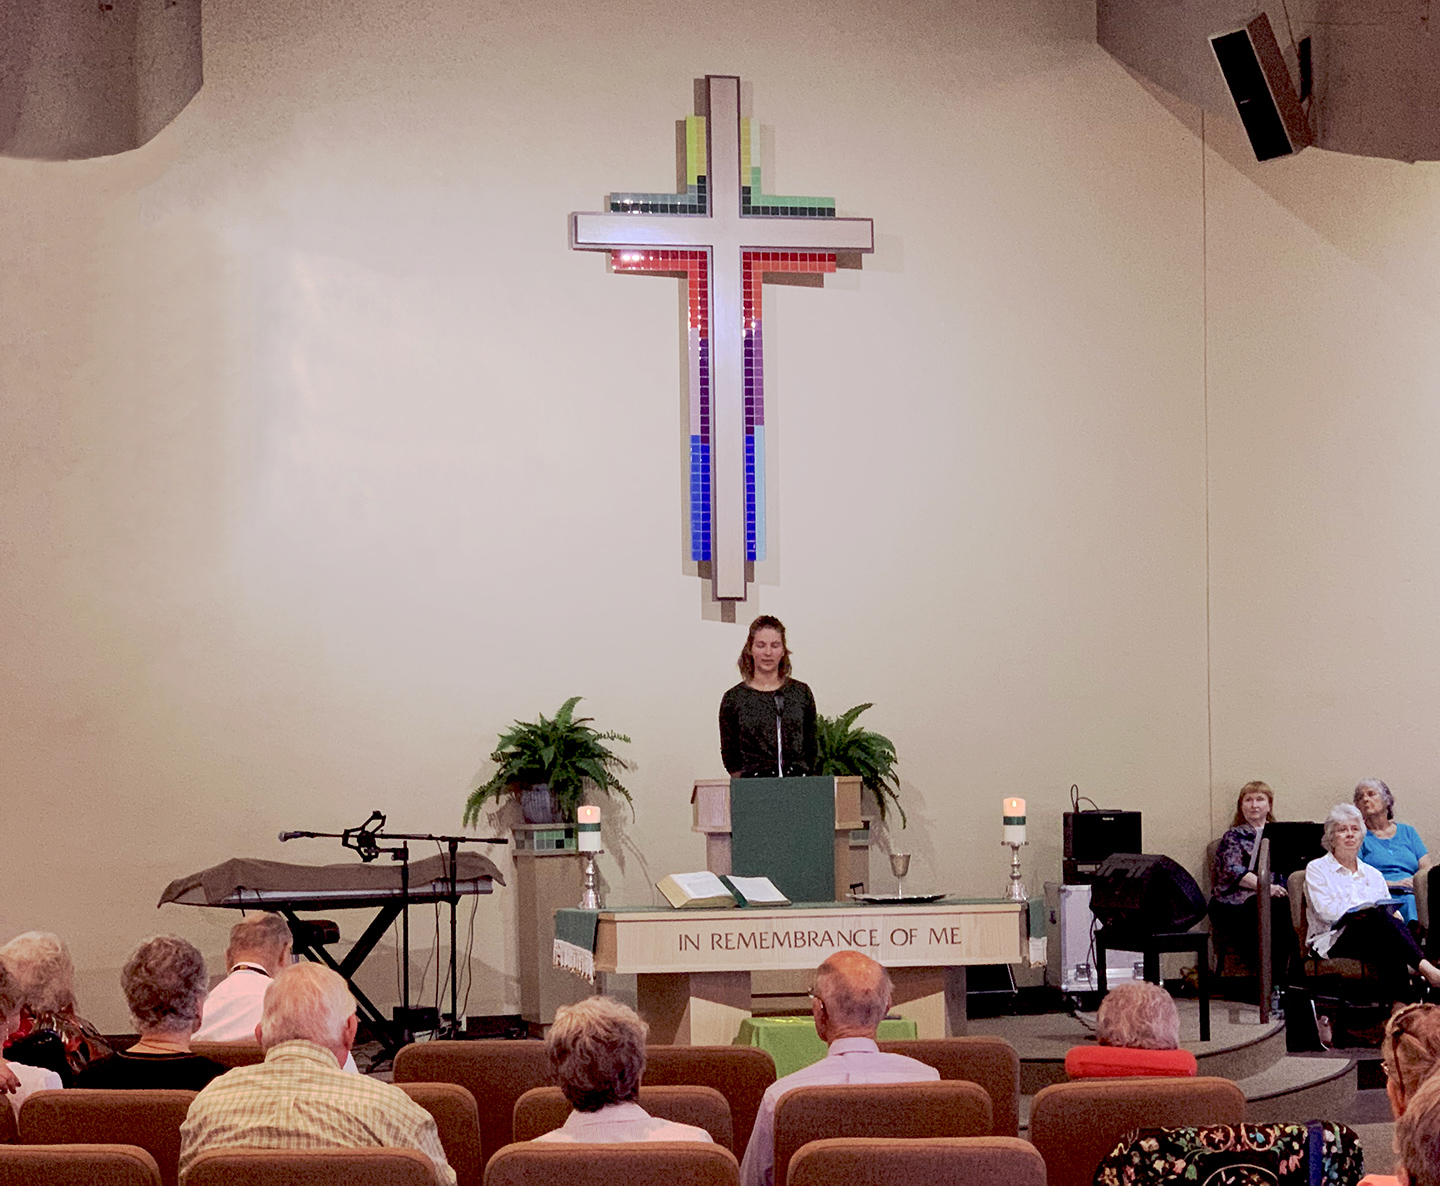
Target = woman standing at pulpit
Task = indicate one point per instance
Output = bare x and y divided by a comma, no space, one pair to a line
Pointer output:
767,721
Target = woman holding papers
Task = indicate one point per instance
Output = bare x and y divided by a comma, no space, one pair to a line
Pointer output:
767,721
1351,913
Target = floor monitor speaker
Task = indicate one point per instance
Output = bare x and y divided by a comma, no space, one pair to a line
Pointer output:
1146,893
1264,93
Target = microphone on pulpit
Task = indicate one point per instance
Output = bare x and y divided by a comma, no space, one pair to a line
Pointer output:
284,836
779,735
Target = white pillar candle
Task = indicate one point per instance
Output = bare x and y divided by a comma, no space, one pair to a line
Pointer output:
1014,820
587,829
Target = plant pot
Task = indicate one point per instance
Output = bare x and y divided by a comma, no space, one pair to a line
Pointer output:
539,805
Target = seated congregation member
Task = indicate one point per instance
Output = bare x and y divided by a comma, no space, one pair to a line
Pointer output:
22,1079
50,1033
597,1055
299,1098
1138,1031
850,999
1417,1137
259,949
1351,914
164,982
1394,848
1234,883
1409,1052
1139,1016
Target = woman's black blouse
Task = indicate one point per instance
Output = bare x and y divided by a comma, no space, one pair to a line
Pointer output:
747,730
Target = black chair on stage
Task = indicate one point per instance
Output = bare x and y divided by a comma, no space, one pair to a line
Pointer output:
1150,904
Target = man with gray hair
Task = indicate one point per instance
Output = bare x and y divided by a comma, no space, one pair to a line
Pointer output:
299,1098
259,950
850,999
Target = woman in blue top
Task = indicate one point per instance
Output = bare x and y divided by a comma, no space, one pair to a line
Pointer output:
1395,849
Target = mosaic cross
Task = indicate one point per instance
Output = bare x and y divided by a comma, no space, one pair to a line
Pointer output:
725,237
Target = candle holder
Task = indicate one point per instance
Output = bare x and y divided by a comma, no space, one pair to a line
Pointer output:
590,898
1015,891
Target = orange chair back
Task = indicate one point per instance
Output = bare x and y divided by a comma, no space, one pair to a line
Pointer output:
494,1071
990,1062
78,1115
544,1109
457,1119
1075,1125
879,1161
739,1073
641,1163
947,1108
77,1165
311,1167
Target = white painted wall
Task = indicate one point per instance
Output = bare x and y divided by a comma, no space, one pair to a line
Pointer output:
324,458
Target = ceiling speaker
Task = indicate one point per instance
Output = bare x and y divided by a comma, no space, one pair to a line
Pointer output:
1264,93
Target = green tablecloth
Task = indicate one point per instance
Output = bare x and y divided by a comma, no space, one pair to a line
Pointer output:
793,1042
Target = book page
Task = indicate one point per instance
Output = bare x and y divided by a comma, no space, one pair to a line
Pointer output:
759,891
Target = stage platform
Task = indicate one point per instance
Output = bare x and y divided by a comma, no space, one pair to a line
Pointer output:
1277,1086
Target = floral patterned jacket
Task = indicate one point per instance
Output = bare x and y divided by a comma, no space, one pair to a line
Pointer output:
1278,1154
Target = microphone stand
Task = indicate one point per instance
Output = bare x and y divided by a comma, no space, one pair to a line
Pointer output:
363,840
453,843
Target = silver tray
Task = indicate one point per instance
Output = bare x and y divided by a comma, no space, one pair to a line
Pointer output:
896,899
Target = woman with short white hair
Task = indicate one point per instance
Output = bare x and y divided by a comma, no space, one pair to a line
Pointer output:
50,1033
1351,912
164,982
597,1054
1138,1016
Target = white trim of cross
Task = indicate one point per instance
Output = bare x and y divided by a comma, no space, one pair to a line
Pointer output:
724,234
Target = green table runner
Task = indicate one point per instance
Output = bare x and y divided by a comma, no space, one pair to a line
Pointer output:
793,1042
574,948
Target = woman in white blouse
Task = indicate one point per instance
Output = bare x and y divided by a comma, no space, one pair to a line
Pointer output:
1351,914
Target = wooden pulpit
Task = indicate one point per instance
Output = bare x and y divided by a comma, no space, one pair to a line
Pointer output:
795,831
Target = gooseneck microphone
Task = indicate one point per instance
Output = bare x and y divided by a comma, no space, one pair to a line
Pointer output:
779,735
284,836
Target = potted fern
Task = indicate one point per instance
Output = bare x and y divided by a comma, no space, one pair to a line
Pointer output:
549,762
845,749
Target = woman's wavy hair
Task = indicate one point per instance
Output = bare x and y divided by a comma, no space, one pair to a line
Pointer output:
164,982
41,965
1410,1050
1254,788
1374,784
1340,812
597,1053
747,660
1139,1015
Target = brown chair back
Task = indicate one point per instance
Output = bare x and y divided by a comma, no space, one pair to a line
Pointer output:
77,1165
990,1062
457,1120
494,1071
311,1167
9,1126
1422,898
230,1054
92,1116
544,1109
879,1161
641,1163
1075,1125
739,1073
947,1108
1299,918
